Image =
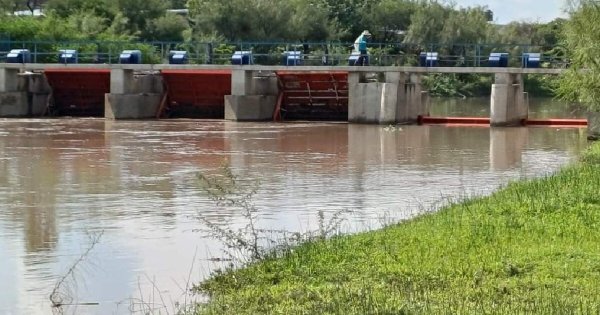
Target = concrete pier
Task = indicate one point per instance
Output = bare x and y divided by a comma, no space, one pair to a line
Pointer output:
133,96
23,94
253,96
509,106
399,99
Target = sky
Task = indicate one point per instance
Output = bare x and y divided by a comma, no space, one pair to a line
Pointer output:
506,11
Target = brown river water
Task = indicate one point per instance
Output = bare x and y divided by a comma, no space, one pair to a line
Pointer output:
64,181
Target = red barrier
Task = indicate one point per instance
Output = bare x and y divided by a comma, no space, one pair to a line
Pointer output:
570,123
454,120
196,93
557,122
312,95
78,92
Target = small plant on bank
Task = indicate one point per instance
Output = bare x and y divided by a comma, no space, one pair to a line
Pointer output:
62,296
249,243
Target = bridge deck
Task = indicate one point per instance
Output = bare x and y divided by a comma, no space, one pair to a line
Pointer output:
158,67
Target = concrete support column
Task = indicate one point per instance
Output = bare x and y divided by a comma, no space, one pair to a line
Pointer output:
253,98
508,102
355,109
121,81
373,102
241,82
425,103
413,101
15,99
131,97
9,79
414,89
400,99
39,91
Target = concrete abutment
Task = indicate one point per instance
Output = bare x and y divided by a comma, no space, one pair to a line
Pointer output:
253,96
509,105
133,96
23,94
399,99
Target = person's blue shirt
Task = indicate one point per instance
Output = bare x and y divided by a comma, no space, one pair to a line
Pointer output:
362,44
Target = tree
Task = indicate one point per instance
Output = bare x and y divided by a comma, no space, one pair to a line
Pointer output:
390,18
10,6
261,20
465,26
427,23
139,13
351,16
581,83
66,8
167,28
310,22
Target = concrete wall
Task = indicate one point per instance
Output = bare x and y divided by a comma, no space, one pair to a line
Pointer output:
14,104
400,99
131,106
373,103
150,83
508,102
264,84
9,80
23,95
133,96
253,96
250,107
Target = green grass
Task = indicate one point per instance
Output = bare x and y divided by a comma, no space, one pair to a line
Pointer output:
532,247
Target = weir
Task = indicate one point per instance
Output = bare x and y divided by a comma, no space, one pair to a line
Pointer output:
373,95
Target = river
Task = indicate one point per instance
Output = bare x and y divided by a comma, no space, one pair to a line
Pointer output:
134,184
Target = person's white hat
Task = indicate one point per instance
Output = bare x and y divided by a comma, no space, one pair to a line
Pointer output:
366,33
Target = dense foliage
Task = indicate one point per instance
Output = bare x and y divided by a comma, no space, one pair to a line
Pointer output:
582,82
410,21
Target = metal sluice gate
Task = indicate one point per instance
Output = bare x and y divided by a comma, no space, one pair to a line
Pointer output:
77,92
312,96
201,93
195,93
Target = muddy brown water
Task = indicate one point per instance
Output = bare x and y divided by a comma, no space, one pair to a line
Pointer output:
64,180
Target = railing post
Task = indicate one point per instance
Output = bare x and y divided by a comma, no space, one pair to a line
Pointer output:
209,49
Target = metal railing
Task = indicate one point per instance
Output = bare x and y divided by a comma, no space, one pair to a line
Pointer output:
271,53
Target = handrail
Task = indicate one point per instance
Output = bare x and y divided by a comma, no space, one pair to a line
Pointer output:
270,52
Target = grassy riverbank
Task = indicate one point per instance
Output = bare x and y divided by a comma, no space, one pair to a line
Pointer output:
533,247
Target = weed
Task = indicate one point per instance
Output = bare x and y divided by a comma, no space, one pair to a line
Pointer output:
62,295
249,243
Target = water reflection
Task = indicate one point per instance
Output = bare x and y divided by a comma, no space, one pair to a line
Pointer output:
480,107
136,180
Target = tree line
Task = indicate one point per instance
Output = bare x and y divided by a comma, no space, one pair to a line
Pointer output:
409,21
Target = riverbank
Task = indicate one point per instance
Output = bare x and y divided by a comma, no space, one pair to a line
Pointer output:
532,247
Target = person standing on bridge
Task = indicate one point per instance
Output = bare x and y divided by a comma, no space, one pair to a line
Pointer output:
360,46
